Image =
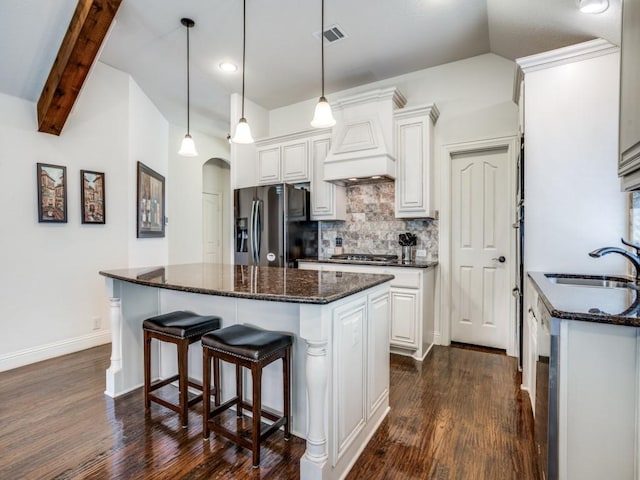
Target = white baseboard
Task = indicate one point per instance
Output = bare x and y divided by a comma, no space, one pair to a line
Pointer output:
52,350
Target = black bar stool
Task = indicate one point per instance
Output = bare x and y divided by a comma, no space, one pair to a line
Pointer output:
254,349
181,328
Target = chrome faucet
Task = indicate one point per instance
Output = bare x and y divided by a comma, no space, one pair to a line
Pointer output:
634,259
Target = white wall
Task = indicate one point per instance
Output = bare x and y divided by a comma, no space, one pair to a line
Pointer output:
50,289
187,177
572,192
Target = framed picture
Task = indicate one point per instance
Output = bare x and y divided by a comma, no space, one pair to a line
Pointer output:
52,193
92,196
150,206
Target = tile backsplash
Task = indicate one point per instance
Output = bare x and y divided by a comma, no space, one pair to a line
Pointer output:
371,226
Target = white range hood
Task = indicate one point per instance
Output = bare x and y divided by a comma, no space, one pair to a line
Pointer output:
362,140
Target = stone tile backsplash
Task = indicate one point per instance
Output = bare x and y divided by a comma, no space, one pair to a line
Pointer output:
371,226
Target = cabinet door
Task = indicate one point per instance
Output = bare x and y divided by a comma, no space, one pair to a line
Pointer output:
328,201
379,317
412,181
404,315
269,164
295,161
629,161
349,388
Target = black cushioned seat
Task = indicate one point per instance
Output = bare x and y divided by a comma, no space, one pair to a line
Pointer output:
248,342
181,328
253,349
182,324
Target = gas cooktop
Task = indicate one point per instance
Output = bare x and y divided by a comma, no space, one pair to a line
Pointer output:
365,257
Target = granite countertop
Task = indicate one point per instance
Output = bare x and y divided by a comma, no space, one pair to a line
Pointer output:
397,263
257,283
614,306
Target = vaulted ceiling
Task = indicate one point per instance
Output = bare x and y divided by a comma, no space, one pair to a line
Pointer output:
384,38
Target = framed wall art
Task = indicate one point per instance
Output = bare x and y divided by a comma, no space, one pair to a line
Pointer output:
52,193
92,196
150,203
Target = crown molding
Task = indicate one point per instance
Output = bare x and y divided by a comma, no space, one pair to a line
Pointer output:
566,55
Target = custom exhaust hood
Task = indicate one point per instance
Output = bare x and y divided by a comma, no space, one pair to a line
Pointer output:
362,140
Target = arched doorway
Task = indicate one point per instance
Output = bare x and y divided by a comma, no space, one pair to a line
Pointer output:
216,211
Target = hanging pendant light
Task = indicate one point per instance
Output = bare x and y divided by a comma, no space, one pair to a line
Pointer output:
188,148
593,6
243,132
322,116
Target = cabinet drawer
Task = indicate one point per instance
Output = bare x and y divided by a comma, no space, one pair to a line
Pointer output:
404,277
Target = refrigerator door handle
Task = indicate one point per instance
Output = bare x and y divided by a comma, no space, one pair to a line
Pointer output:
252,233
258,235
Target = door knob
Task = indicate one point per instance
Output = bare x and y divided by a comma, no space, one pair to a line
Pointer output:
500,259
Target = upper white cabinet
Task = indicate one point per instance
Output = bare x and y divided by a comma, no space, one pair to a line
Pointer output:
414,160
629,160
283,159
328,201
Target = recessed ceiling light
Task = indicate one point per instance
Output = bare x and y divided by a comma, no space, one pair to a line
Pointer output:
376,177
353,179
228,67
593,6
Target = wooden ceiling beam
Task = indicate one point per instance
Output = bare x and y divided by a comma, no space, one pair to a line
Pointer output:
80,46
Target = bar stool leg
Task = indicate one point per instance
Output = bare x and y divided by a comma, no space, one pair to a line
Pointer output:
216,379
206,389
147,370
183,382
256,376
286,370
239,391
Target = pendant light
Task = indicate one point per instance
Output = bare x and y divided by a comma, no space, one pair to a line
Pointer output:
593,6
188,148
322,116
243,132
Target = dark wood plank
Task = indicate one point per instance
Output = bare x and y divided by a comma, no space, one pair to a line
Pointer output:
458,415
87,30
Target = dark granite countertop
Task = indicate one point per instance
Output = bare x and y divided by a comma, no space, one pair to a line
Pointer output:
257,283
614,306
397,263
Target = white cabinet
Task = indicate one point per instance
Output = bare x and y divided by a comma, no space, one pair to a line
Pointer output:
412,304
328,201
404,305
283,159
361,368
414,157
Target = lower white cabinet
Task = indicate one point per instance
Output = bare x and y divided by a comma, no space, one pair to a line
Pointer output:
412,304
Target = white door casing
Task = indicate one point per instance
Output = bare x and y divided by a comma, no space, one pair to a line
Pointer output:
485,315
212,221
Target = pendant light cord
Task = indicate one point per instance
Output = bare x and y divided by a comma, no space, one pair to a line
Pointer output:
244,46
322,44
188,82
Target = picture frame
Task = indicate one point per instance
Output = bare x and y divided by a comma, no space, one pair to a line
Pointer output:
92,198
150,203
52,193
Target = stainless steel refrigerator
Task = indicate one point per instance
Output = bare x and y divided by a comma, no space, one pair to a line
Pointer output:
272,226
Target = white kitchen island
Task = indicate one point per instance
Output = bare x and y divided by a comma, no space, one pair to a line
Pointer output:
340,368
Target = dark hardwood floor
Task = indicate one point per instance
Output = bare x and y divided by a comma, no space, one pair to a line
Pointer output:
458,415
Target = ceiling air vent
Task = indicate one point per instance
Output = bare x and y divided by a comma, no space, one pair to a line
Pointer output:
332,34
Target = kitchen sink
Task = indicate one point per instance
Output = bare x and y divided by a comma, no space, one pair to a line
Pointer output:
603,281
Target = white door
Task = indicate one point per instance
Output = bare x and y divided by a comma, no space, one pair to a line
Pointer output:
480,236
212,222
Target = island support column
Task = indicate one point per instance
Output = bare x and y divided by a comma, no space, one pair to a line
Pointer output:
114,372
314,329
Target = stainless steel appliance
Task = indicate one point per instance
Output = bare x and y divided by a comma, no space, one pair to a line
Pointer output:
272,226
546,412
365,257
